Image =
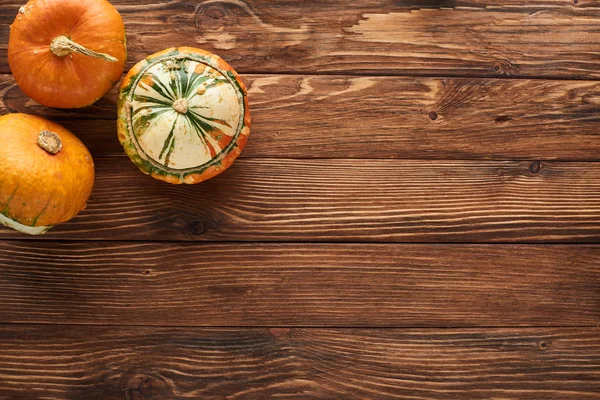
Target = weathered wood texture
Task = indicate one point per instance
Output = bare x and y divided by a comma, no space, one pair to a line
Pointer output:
465,38
375,117
104,292
102,363
346,200
357,285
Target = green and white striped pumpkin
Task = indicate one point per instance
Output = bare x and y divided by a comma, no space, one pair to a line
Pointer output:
183,115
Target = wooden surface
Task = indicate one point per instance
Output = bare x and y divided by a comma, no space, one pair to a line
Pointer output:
346,201
416,215
258,363
552,38
385,117
376,285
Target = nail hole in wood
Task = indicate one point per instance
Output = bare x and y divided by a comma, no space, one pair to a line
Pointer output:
433,116
543,345
575,1
535,167
502,118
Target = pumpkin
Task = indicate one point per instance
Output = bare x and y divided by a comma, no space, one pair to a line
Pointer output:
183,115
46,173
67,53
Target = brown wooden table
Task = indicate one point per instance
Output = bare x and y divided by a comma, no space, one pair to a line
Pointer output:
416,215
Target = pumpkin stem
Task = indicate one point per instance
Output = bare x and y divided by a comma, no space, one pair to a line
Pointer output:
181,106
49,141
62,46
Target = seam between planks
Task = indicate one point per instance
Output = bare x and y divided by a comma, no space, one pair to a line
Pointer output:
319,242
320,326
394,159
385,75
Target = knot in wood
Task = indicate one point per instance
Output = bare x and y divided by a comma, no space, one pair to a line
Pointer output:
197,228
211,17
535,167
505,67
138,387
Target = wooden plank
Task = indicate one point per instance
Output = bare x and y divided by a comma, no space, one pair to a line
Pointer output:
346,200
551,38
358,285
101,363
375,117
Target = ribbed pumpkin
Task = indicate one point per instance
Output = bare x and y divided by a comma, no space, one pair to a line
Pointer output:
67,53
183,115
46,173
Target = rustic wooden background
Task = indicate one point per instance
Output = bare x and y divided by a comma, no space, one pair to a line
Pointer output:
416,215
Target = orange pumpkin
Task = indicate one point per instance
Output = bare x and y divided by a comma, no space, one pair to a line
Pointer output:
46,173
67,53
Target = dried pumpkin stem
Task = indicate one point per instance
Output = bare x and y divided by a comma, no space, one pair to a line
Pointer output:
181,106
62,46
49,141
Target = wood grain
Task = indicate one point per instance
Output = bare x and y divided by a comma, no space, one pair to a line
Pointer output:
346,200
101,363
131,304
374,117
418,37
358,285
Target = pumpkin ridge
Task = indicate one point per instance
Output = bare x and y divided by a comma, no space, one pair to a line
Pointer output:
200,125
183,80
169,138
35,220
12,195
218,121
199,79
168,156
147,99
169,95
201,134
